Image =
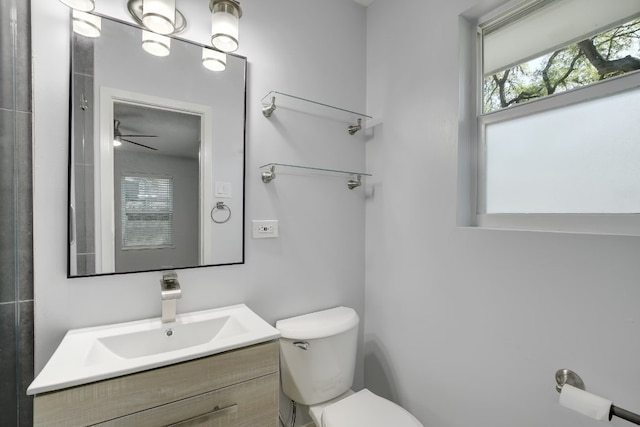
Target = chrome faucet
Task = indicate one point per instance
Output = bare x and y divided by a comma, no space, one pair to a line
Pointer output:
170,292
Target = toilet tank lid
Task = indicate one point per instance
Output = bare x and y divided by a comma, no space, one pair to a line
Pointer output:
320,324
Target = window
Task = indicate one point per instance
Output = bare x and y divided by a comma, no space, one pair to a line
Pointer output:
559,111
147,211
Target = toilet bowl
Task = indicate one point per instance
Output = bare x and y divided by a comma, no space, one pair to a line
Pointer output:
363,408
317,365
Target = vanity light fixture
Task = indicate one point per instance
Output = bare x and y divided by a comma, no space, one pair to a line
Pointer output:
154,39
156,44
81,5
225,17
135,8
159,15
86,24
214,60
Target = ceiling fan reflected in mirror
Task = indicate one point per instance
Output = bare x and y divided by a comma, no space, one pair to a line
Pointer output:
118,137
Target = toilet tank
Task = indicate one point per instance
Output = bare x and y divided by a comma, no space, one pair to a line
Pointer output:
318,354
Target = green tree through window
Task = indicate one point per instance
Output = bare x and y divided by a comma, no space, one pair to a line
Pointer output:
608,54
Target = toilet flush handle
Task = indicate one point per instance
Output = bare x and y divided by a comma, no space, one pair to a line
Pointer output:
302,344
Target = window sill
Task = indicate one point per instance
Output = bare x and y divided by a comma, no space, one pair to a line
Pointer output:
607,224
147,248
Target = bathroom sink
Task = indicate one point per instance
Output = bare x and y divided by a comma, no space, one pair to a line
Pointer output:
92,354
158,340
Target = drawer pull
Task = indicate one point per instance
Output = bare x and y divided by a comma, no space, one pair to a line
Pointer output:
200,418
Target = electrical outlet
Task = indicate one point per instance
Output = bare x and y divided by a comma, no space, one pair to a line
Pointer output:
264,229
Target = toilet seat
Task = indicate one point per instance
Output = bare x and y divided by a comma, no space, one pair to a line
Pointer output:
367,409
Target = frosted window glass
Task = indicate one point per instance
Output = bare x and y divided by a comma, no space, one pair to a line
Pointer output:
583,158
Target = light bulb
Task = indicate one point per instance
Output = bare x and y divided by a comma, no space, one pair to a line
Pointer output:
86,24
225,20
156,44
81,5
213,59
159,15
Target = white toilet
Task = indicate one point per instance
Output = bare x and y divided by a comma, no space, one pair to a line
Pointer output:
317,363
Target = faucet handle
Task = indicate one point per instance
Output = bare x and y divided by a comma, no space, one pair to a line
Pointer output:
169,286
169,277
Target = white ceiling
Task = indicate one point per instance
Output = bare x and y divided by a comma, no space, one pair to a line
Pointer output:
174,133
364,2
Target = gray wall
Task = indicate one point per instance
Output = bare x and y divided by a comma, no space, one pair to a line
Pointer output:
16,254
464,326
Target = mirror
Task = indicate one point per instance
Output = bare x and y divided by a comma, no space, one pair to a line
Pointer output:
156,170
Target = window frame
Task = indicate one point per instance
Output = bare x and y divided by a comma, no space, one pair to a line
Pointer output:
591,223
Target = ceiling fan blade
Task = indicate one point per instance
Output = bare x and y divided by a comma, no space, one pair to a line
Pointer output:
140,136
141,145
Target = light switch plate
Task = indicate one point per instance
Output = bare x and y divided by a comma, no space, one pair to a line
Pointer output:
223,189
264,229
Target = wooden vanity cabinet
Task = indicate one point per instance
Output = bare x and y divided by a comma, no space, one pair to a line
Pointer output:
235,388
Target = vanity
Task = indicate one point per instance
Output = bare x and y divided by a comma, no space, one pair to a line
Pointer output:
217,367
238,387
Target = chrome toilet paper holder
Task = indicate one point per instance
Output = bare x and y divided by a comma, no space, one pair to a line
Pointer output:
567,376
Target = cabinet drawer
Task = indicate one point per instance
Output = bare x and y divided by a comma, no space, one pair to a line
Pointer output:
249,404
105,400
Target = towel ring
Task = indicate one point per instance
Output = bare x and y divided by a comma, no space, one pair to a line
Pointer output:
223,207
